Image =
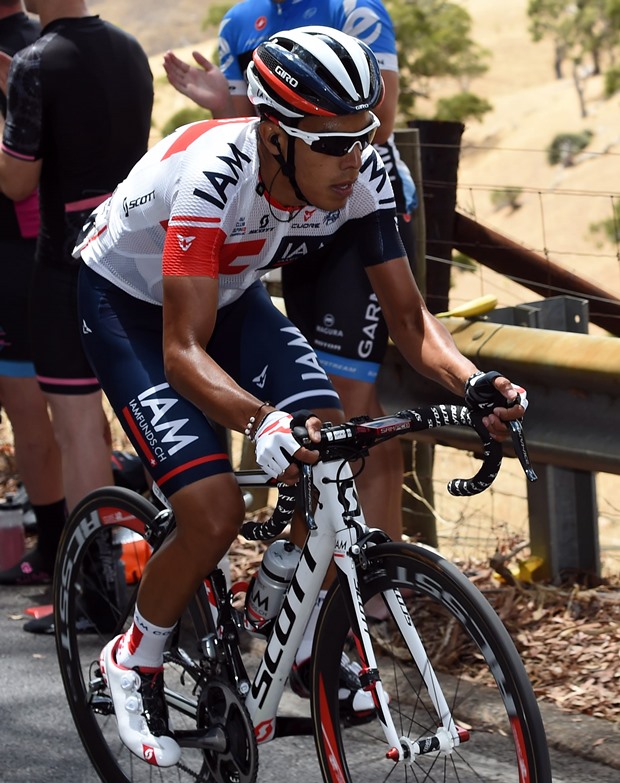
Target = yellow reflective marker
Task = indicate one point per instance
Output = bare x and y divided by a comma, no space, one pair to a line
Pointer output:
479,306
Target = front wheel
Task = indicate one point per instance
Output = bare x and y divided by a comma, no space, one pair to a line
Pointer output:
483,680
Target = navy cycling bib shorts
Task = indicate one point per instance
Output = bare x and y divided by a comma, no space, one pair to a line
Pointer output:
252,341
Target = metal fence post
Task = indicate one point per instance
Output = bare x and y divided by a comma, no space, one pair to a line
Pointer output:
563,511
418,518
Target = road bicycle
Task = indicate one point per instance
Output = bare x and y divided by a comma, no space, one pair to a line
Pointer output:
452,701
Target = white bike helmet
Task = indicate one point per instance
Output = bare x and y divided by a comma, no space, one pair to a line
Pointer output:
313,71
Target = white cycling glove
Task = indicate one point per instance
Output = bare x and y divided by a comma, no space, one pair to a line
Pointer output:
524,402
275,444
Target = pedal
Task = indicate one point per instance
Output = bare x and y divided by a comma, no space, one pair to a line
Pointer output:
101,704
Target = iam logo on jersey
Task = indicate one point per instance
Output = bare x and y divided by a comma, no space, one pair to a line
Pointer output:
261,23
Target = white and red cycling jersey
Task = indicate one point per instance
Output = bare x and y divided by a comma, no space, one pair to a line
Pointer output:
195,205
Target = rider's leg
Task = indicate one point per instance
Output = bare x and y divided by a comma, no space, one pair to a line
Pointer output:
39,466
208,516
83,434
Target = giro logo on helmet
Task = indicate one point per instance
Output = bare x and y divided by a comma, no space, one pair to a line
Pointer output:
286,76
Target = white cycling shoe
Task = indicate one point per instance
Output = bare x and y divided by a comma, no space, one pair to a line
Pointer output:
355,703
141,710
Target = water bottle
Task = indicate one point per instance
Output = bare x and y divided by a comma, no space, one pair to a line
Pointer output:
12,540
268,586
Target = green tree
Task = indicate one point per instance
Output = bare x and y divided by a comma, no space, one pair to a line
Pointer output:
434,42
584,33
506,197
565,147
460,107
610,228
612,81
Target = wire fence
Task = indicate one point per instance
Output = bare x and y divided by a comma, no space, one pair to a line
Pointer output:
555,212
497,521
558,212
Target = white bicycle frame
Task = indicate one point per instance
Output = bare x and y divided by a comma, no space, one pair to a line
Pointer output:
333,539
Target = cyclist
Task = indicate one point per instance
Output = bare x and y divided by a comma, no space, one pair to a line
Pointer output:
36,451
348,333
78,117
180,330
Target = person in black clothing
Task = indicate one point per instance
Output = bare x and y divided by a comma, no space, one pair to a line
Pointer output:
36,452
79,104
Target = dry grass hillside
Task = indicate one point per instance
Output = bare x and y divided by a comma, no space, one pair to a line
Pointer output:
508,149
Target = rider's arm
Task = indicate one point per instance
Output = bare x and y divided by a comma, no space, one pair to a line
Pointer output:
189,313
18,178
425,342
386,111
19,172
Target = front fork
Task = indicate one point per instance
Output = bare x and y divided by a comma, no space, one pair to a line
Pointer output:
447,735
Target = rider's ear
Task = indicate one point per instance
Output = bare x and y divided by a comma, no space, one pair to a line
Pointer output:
270,137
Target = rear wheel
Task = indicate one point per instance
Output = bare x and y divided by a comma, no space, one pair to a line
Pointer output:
479,670
100,562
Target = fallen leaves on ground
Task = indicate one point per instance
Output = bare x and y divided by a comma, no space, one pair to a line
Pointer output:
568,639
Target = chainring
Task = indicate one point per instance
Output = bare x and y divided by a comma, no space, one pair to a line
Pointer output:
220,707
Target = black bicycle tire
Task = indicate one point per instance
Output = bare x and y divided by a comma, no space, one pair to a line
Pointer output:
456,593
120,508
76,538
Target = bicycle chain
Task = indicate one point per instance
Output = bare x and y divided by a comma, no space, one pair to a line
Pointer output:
199,778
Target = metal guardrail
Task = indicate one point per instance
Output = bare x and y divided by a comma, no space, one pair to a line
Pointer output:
573,383
572,427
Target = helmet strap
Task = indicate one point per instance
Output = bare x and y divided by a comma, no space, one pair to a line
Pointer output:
288,168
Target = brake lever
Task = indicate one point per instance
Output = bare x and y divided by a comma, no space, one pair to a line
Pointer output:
301,435
518,443
306,493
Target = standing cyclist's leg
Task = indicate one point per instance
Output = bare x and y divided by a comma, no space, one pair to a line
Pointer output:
38,464
68,381
83,435
334,305
36,451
